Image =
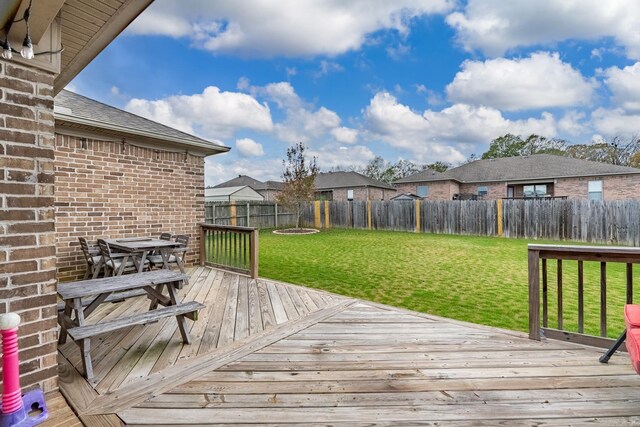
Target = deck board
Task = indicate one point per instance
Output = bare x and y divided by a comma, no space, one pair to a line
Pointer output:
278,353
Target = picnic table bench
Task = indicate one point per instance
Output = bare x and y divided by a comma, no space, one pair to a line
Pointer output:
76,294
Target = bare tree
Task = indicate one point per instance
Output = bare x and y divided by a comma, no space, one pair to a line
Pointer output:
299,177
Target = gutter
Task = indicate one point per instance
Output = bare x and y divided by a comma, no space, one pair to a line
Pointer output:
109,126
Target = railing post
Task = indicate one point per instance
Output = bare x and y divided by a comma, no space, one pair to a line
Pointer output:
534,294
202,246
253,259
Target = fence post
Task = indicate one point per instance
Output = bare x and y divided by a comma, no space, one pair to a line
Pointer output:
499,216
233,213
369,214
534,294
417,207
202,246
253,260
316,214
248,213
326,214
275,211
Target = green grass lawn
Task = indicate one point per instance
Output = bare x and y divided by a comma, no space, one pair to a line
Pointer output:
476,279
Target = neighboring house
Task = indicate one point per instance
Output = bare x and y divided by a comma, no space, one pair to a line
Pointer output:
232,194
34,213
539,175
343,186
268,189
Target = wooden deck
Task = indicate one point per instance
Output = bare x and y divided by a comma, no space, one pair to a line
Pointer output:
271,353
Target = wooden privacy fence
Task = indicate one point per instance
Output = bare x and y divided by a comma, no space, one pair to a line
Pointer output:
248,214
612,222
605,298
230,248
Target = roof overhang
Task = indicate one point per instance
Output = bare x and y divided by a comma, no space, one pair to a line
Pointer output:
87,28
76,125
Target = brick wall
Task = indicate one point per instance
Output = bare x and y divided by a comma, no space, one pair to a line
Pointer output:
616,187
363,193
103,191
27,252
438,190
497,190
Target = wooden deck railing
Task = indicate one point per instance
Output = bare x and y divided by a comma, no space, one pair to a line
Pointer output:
229,247
539,255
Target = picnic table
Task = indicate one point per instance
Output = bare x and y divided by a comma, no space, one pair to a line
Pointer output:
75,295
141,247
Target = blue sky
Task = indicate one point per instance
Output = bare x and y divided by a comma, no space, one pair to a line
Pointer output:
423,80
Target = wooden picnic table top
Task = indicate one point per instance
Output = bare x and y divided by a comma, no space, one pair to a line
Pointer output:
90,287
133,244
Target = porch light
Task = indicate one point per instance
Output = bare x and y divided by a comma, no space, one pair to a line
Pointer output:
6,50
27,46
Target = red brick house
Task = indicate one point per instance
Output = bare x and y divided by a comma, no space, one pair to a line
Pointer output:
121,175
540,175
343,186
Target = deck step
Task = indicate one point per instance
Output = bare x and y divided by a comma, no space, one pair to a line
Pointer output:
82,332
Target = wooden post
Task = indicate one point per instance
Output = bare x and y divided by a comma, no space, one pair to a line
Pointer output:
534,294
203,255
248,213
326,214
316,214
253,260
499,216
417,216
233,213
369,214
275,212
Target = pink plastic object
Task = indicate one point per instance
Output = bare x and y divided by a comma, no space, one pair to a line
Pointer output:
11,393
17,410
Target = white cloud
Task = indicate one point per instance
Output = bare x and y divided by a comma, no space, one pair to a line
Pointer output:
287,27
540,81
625,86
247,147
615,122
572,123
302,122
327,67
212,114
345,135
331,156
444,135
495,26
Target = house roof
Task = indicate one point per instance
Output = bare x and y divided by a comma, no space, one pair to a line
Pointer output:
251,182
329,180
73,111
226,191
534,167
406,196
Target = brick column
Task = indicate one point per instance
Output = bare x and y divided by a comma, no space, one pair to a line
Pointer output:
27,238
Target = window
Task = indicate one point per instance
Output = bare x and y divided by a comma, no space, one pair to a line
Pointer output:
423,190
349,194
538,190
483,190
595,190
